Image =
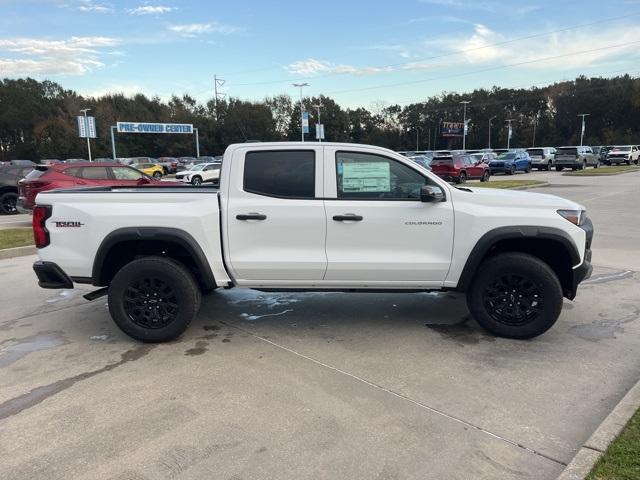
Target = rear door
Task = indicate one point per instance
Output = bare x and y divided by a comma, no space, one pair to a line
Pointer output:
275,217
473,168
378,230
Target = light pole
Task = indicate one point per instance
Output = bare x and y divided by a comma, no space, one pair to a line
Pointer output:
464,125
318,107
582,132
509,133
301,86
535,124
417,139
86,126
490,120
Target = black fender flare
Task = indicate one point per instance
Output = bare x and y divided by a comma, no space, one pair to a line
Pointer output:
489,239
175,235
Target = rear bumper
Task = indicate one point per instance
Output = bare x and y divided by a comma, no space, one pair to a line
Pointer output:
50,275
23,207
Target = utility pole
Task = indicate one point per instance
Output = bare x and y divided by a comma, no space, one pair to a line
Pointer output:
509,133
583,125
464,126
318,107
535,124
86,126
490,120
429,139
217,82
301,86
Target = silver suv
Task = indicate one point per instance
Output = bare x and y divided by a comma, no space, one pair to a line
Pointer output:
542,158
575,158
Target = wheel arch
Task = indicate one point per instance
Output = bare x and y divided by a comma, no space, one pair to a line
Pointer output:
126,244
551,245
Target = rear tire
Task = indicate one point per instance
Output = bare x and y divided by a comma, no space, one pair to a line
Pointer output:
558,168
154,299
462,178
8,202
157,175
515,295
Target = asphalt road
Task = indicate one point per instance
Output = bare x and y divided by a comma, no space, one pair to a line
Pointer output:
15,221
323,386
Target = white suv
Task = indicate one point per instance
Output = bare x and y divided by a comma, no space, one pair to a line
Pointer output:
623,154
201,173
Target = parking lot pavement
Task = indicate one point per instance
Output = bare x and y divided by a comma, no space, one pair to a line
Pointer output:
15,221
319,385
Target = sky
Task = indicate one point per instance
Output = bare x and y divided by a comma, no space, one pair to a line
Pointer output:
361,53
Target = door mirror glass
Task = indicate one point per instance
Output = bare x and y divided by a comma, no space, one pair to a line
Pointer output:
431,194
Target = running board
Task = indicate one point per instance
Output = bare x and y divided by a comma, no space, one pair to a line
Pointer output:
101,292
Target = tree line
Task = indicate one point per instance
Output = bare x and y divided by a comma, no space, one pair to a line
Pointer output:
37,119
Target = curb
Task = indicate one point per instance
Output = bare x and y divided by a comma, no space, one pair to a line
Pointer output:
568,174
17,252
608,430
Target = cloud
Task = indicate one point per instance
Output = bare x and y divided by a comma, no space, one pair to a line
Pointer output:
126,90
311,67
150,10
463,4
194,29
485,46
74,56
97,7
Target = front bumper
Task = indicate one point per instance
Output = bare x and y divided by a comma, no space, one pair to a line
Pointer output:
50,275
584,270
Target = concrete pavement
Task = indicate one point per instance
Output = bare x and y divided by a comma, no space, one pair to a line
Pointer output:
15,221
320,385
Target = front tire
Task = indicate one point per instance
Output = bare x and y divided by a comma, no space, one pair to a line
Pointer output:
154,299
485,176
196,181
558,168
512,170
515,295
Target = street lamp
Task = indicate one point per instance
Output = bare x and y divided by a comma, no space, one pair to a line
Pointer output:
582,132
301,86
86,126
464,126
318,106
490,120
509,133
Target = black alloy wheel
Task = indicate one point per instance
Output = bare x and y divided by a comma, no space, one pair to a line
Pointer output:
8,202
197,181
513,299
151,302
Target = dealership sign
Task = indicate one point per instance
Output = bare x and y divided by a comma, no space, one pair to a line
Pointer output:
452,129
140,127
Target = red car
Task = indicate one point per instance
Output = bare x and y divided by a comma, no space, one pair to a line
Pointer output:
80,174
460,168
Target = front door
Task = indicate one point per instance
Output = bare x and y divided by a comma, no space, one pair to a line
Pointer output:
275,219
379,233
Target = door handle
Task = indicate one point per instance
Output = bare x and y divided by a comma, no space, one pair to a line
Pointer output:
251,216
348,217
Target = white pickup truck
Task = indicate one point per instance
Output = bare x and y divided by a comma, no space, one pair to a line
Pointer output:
314,216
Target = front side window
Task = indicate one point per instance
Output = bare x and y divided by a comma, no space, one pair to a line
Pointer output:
372,177
283,173
124,173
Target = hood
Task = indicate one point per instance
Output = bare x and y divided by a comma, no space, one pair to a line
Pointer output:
500,197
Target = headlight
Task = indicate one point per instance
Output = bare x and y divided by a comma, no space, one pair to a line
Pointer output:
574,216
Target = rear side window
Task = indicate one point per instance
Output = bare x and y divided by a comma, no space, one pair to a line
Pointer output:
94,173
33,174
567,151
74,171
285,174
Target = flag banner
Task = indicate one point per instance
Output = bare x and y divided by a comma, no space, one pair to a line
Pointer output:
305,122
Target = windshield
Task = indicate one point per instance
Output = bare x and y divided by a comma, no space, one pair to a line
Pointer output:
622,149
535,151
507,156
478,156
197,167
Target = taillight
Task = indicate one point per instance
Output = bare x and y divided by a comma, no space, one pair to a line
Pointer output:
36,184
40,232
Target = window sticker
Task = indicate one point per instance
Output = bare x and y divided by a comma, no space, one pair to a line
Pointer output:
366,177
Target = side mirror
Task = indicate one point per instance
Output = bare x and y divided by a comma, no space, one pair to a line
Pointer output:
431,194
